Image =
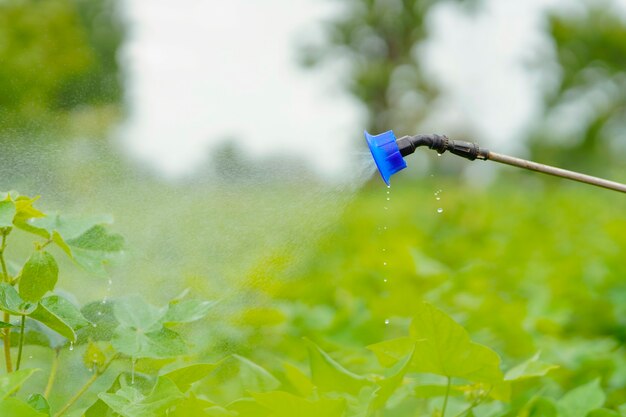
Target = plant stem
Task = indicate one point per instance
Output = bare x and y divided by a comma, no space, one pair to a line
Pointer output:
21,346
85,387
53,374
445,399
7,317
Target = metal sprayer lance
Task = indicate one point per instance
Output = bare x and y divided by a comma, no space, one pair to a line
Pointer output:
389,153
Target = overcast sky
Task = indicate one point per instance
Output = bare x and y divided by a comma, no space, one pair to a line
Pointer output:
202,71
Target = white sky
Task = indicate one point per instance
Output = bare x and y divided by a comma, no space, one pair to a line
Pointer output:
201,71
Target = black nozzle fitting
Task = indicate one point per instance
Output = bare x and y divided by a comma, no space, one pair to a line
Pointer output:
441,143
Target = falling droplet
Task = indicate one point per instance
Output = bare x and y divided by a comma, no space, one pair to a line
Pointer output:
439,210
438,198
386,208
384,263
71,346
438,154
385,280
388,198
387,321
384,250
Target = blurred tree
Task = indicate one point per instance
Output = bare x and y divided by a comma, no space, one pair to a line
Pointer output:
379,39
55,56
584,123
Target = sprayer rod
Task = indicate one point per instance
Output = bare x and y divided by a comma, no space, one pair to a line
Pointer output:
472,151
557,172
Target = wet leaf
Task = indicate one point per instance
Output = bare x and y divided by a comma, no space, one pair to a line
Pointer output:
162,343
128,402
39,275
12,303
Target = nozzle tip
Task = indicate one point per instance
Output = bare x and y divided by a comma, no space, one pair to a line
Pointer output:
386,154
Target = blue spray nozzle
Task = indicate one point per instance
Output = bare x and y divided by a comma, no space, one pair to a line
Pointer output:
386,154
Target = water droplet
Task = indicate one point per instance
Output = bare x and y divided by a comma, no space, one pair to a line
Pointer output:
388,198
439,210
385,280
384,250
386,208
438,198
389,186
384,263
387,321
30,357
385,228
71,346
438,154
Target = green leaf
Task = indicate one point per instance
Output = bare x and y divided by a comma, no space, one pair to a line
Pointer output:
328,375
10,383
533,367
186,311
388,386
39,403
135,312
443,347
581,400
12,303
86,241
101,314
284,404
39,275
162,343
390,352
93,357
61,316
7,212
184,377
129,402
255,376
100,408
4,325
13,407
301,382
539,407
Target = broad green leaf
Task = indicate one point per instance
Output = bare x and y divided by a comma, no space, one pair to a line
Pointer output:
443,347
284,404
162,343
581,400
61,316
301,382
39,275
13,407
128,402
539,407
135,312
328,375
187,311
10,383
25,210
185,376
390,384
533,367
100,313
66,311
248,407
7,213
39,403
37,334
12,303
86,241
54,322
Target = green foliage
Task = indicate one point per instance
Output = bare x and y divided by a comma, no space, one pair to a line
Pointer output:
57,55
